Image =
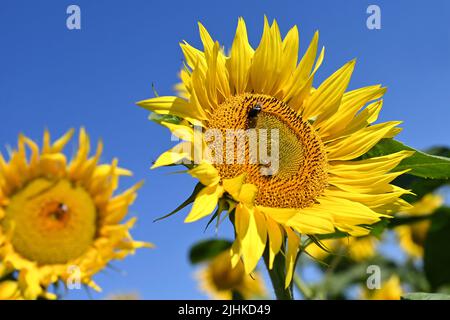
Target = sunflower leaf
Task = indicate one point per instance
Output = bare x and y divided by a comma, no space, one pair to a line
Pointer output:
208,249
188,201
158,118
425,296
221,207
422,186
420,163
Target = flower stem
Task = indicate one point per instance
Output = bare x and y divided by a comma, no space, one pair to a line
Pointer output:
303,288
278,276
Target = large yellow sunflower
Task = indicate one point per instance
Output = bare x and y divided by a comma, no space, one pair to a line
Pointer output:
320,184
60,220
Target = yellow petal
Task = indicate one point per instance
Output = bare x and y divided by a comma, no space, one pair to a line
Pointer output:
180,131
8,290
372,166
172,156
205,203
233,186
206,173
194,57
312,220
240,59
248,193
264,70
252,234
53,164
365,183
324,102
59,144
207,41
352,102
174,106
349,212
291,255
360,142
235,252
275,239
370,200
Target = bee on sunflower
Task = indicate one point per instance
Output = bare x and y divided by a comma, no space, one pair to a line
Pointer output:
60,219
317,182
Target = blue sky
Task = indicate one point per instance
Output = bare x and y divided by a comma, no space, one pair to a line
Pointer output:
52,77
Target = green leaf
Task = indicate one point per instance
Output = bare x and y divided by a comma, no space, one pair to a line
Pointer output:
221,207
401,221
422,186
425,296
335,235
158,118
419,186
378,228
421,164
207,249
188,201
436,252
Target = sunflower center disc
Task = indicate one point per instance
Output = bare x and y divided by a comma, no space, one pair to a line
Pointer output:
51,222
300,174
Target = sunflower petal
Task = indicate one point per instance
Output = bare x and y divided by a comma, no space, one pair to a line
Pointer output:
240,59
206,173
291,255
275,239
204,203
173,105
252,233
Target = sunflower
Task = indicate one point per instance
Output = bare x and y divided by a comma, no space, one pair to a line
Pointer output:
60,220
318,183
356,248
220,280
412,237
391,289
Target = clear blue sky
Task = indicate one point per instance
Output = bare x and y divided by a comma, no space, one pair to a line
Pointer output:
56,78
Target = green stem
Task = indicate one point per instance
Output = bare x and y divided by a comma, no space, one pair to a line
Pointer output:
278,276
303,288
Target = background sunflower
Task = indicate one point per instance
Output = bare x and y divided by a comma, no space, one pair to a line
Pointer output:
60,220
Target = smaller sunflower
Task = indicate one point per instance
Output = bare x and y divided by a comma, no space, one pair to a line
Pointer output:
60,220
391,289
220,280
412,237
